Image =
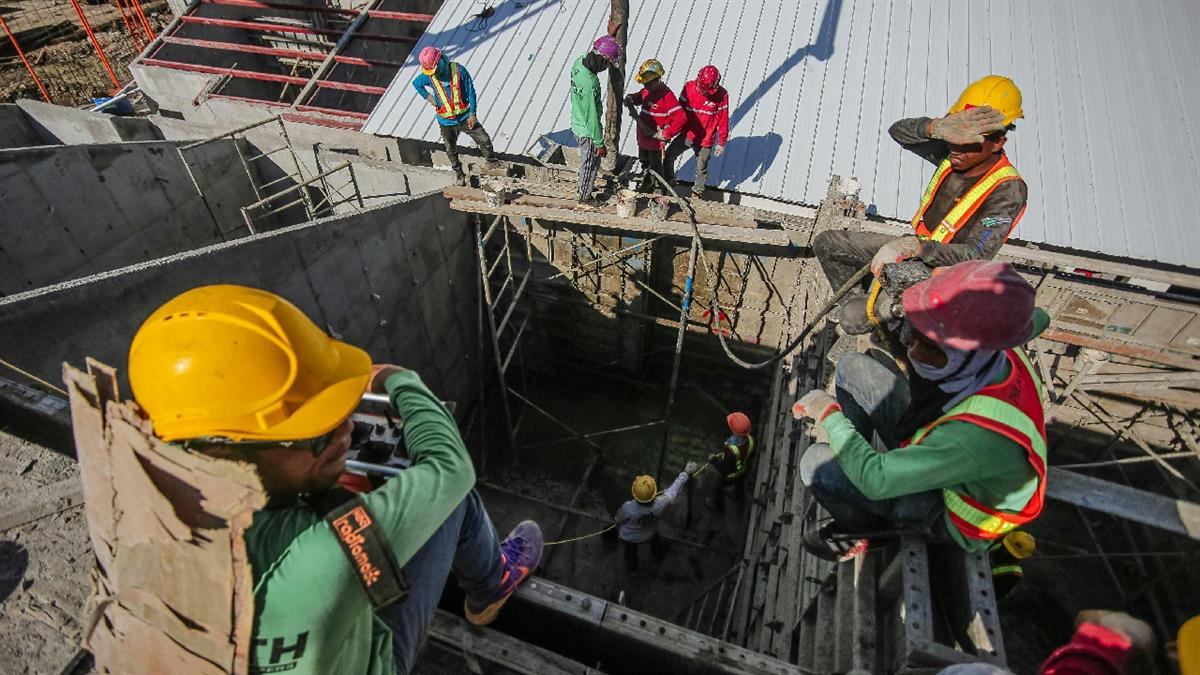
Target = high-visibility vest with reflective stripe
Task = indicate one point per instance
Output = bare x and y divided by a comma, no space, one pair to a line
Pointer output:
452,105
1013,409
742,458
966,206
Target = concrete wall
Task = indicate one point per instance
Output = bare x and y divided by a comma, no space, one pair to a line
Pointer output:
56,124
398,281
83,209
15,129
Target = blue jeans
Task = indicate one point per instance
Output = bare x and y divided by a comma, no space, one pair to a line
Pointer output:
466,544
873,396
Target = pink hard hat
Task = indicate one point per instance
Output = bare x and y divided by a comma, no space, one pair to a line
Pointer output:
608,47
709,78
978,304
429,59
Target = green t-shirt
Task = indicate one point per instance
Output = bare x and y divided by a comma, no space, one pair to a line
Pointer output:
311,615
585,103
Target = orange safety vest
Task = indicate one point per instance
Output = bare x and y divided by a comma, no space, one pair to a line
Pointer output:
453,105
966,206
1013,409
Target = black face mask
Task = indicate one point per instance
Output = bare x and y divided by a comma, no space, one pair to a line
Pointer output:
595,63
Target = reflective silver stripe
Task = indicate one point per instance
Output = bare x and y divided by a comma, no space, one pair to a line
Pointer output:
661,114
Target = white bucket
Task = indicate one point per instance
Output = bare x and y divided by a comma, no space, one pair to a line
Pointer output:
626,203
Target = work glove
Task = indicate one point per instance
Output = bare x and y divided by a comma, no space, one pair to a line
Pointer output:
690,468
658,135
718,151
471,122
894,251
1139,632
601,151
816,404
968,126
432,100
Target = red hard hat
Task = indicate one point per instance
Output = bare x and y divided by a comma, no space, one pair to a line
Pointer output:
709,78
738,423
979,304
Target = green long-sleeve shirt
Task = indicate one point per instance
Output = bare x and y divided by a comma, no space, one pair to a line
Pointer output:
965,457
585,103
311,613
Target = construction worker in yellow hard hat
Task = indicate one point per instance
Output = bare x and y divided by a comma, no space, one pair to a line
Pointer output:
242,374
970,206
659,119
637,519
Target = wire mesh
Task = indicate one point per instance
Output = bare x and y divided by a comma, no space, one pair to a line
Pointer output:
57,47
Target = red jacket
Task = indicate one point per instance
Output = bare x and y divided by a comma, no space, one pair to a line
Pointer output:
707,116
660,110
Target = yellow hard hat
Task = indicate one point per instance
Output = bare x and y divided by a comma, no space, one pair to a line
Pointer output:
242,364
1187,647
650,69
1020,544
995,91
644,489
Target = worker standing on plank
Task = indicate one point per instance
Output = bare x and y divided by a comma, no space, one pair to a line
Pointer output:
971,205
586,111
732,462
966,429
637,519
343,583
705,105
449,89
659,118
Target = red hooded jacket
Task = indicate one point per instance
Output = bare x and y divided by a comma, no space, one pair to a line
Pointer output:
660,110
707,115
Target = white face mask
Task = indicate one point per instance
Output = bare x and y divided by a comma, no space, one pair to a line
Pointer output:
954,361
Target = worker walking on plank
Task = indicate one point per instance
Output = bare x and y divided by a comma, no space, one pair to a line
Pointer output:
449,89
966,431
343,583
637,519
971,205
705,105
586,111
659,118
732,462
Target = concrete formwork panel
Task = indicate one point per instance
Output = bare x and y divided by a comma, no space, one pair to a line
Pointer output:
84,209
347,272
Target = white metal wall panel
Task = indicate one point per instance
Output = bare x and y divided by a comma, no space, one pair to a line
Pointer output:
1109,146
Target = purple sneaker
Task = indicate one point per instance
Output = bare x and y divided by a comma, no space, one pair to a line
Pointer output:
520,553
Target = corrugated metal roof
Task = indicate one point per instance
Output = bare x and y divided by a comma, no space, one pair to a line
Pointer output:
1109,145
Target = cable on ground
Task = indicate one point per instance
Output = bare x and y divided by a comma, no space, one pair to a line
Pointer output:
749,365
33,377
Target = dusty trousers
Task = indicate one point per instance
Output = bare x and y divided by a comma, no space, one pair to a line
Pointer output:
703,155
841,253
450,134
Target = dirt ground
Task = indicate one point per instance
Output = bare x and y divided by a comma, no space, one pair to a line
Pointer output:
43,564
60,52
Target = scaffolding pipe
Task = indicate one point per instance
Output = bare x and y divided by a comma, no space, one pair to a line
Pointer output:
234,132
683,323
481,254
319,74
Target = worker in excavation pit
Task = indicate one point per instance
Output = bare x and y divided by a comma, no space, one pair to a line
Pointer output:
732,462
965,431
659,118
451,92
637,519
705,105
971,205
586,113
343,583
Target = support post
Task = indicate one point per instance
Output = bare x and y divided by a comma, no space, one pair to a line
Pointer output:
481,254
618,27
683,322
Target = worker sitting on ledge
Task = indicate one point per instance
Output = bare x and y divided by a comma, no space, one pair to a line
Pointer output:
965,431
637,519
971,205
449,89
343,583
